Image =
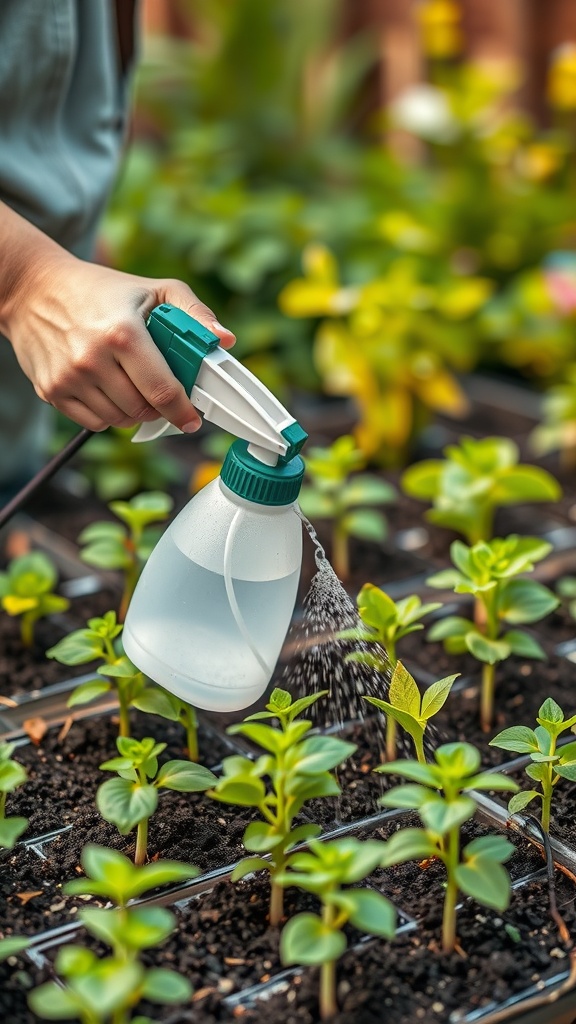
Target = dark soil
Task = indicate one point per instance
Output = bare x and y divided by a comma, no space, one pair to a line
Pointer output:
22,670
409,980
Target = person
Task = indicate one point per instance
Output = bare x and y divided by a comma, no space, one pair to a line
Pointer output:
73,332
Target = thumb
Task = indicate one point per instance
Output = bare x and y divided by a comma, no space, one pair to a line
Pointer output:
177,293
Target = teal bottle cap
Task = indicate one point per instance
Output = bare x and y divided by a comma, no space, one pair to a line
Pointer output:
266,485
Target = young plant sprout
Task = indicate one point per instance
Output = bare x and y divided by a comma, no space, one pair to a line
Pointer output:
324,869
294,768
438,792
132,798
99,990
12,775
26,589
409,709
126,547
339,492
476,478
549,764
385,622
99,641
490,572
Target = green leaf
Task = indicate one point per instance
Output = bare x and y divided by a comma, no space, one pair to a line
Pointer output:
367,524
185,777
12,775
452,625
567,770
303,703
436,695
490,651
446,580
521,800
441,816
13,945
404,693
156,701
52,1002
261,837
137,928
306,940
87,692
551,712
491,780
364,489
248,865
422,480
322,753
521,601
495,847
408,844
77,648
412,770
410,796
486,881
526,483
126,803
263,735
369,911
165,986
106,553
518,738
523,645
10,831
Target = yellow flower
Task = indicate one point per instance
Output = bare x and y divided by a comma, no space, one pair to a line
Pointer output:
562,78
440,24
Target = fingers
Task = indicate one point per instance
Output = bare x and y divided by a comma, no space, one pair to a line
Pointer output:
80,413
179,294
123,393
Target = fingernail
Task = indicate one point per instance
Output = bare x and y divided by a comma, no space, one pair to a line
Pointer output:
192,427
219,327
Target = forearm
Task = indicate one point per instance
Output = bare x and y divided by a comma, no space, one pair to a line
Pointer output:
24,253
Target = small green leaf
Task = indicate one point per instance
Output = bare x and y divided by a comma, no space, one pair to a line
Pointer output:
404,693
408,844
486,881
518,738
490,651
523,645
551,712
436,695
87,692
306,940
185,777
165,986
521,800
369,911
126,803
247,866
521,600
10,831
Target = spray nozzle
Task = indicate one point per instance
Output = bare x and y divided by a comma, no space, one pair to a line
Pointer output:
222,389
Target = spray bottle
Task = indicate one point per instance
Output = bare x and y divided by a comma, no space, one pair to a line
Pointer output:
212,607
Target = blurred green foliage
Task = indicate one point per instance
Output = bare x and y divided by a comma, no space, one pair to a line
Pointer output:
252,149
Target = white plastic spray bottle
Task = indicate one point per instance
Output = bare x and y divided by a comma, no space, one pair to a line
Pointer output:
214,602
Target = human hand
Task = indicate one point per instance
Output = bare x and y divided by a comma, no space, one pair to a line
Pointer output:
78,332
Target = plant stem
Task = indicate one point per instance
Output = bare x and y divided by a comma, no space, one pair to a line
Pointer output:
340,552
451,898
276,903
419,745
487,696
190,723
27,631
328,1004
130,581
124,725
390,738
141,842
3,805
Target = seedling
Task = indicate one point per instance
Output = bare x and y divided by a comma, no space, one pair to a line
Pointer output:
409,709
292,770
490,572
117,468
439,793
26,589
126,547
324,869
549,765
339,492
12,775
106,989
385,622
131,799
476,478
100,641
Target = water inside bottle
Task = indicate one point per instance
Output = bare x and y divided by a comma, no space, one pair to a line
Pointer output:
190,617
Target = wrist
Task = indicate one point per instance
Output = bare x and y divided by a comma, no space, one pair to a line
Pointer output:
30,257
